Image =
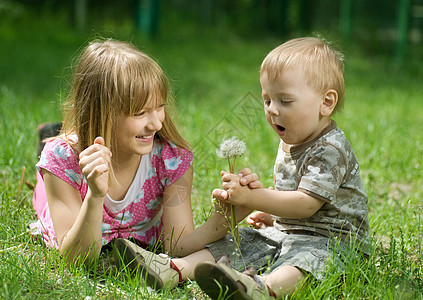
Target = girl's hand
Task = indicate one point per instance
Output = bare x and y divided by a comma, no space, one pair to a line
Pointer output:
223,207
95,164
259,219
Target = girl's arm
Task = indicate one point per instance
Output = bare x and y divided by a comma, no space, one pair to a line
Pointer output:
180,237
177,213
78,223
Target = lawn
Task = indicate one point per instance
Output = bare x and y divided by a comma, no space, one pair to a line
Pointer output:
215,82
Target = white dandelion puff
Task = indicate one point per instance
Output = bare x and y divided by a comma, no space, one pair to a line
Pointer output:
231,147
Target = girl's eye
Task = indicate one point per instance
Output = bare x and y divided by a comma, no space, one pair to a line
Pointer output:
140,114
284,102
266,102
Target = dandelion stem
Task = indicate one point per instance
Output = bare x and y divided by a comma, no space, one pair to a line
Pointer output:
234,226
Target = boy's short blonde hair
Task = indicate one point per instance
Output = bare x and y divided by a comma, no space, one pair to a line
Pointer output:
323,66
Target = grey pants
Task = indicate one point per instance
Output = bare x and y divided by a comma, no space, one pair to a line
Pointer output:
272,248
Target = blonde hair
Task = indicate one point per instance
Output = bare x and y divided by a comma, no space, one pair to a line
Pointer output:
322,64
111,79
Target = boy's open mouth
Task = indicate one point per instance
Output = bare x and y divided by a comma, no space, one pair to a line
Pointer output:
280,128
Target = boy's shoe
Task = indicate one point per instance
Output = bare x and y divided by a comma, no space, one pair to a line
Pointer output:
220,281
155,268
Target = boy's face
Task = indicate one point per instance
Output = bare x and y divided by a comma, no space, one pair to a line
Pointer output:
292,108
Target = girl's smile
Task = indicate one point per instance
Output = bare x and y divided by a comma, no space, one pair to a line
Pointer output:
145,138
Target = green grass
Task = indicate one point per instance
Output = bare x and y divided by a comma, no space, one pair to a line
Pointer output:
215,80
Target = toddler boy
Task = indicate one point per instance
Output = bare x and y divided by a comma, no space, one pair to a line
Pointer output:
319,203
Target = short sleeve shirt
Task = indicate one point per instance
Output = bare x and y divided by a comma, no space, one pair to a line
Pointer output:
325,168
139,214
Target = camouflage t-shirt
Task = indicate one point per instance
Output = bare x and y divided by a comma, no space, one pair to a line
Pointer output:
325,168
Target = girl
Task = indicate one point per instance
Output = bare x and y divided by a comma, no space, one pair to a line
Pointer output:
119,168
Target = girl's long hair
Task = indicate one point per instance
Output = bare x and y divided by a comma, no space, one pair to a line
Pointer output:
112,79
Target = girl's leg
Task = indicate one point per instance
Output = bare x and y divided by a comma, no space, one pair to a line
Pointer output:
187,264
284,280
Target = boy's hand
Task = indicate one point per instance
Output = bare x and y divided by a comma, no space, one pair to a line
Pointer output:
95,162
249,178
238,194
259,219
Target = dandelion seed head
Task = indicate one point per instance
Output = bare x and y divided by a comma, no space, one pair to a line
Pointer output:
231,147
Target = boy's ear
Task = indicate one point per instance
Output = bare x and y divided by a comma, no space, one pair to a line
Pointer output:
329,103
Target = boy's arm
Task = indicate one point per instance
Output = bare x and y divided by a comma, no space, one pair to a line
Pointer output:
285,204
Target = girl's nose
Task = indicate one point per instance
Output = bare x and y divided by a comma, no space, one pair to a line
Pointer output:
155,120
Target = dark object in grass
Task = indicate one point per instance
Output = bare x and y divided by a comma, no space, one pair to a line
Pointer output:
47,130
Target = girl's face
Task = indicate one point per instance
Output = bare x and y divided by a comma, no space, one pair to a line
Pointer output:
135,134
292,108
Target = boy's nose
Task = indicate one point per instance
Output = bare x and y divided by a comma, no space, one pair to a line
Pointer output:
272,109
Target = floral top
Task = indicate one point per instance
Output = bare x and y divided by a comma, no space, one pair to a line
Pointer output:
139,214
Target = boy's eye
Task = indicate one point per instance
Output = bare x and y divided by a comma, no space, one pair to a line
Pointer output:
285,101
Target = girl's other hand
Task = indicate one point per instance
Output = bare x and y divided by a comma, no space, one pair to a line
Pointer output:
258,219
95,164
220,194
224,208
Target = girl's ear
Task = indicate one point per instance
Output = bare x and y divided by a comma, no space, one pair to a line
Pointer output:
329,102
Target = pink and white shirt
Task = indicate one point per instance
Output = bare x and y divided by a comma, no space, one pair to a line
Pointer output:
139,214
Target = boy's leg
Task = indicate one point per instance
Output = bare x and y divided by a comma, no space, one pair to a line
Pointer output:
187,264
284,280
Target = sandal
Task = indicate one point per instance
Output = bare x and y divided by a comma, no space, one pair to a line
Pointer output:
157,269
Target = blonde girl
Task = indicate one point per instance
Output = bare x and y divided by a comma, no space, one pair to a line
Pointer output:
119,168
